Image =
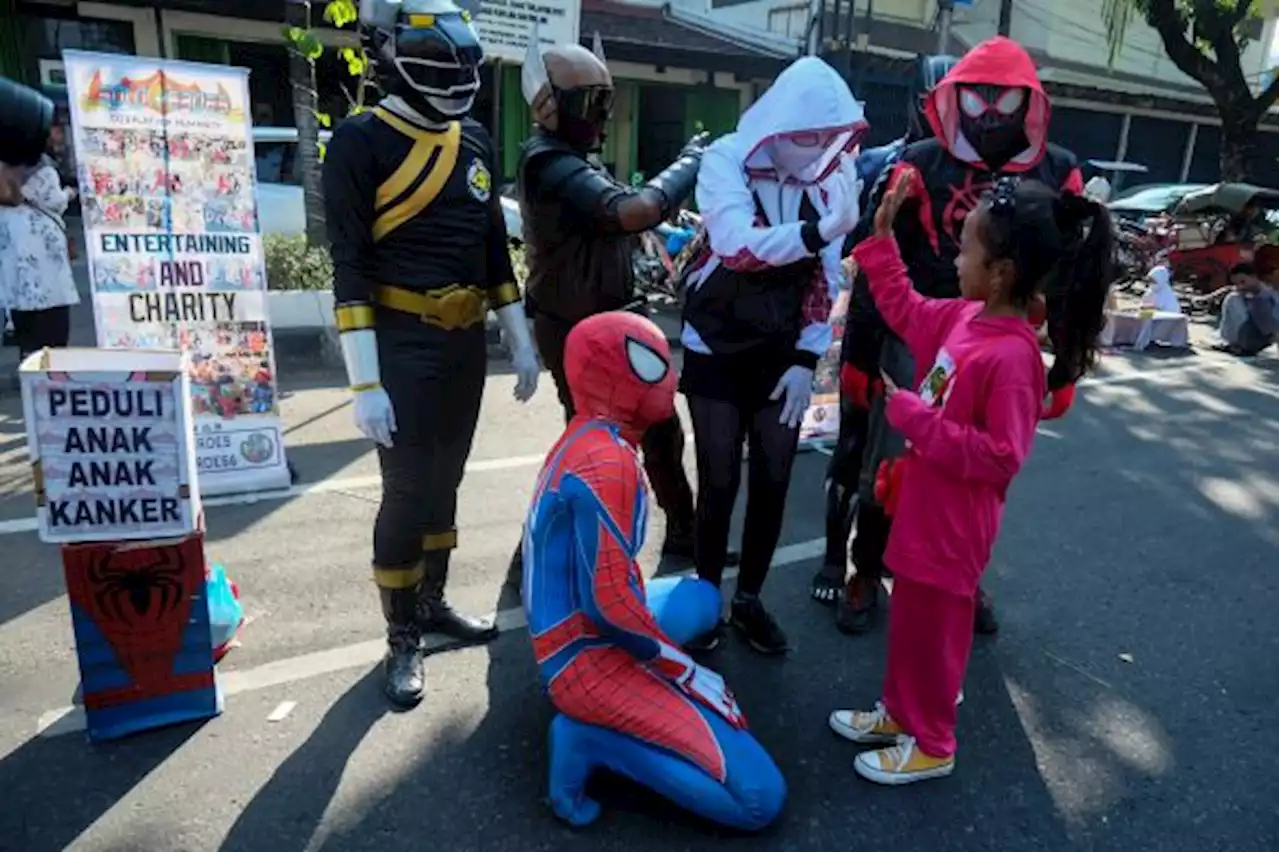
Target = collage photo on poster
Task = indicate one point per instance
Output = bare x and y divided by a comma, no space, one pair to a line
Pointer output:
175,256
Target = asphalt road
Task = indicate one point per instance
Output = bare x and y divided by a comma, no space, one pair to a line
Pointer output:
1129,703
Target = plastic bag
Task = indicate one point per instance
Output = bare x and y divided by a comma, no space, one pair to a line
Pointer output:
225,612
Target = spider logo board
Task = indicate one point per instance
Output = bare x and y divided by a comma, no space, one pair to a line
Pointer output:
142,633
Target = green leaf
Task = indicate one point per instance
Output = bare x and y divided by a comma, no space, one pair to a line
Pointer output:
356,109
294,34
325,119
321,148
340,12
311,47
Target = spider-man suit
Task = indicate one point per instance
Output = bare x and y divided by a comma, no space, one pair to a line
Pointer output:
608,648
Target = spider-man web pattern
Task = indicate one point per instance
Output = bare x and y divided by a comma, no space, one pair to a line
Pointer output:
142,634
608,647
593,634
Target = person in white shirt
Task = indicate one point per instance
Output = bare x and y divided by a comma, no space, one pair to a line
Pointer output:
36,284
1160,295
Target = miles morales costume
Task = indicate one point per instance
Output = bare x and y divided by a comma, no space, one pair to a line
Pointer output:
419,250
990,118
846,460
608,645
579,231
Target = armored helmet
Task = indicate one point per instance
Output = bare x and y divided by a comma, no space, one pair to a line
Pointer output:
570,91
425,51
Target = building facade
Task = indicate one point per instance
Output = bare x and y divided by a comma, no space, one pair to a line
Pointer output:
1138,108
672,79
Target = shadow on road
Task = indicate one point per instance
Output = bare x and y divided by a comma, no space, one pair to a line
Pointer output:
284,814
55,788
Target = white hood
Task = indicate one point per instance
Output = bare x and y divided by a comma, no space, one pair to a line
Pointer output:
808,96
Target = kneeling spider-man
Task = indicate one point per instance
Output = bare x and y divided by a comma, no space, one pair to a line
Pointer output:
608,647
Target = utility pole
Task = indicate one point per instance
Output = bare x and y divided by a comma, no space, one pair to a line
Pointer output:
1006,16
945,9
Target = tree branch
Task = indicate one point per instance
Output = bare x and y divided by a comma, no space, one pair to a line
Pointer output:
1266,98
1164,17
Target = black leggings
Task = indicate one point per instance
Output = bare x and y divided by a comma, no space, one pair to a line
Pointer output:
719,429
435,382
34,330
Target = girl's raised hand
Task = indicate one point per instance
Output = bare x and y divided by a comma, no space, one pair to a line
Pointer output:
893,201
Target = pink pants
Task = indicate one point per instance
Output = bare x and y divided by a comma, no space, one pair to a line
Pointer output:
930,636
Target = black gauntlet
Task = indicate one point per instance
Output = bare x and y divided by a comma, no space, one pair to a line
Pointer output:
676,182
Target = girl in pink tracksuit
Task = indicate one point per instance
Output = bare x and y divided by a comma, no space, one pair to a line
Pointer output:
969,426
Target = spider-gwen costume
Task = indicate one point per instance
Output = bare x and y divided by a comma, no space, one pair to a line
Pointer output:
608,648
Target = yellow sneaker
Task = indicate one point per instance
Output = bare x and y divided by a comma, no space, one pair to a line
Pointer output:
902,764
874,727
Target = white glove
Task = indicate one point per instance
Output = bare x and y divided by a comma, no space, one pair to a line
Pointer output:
523,358
374,415
843,188
527,367
709,689
794,389
371,406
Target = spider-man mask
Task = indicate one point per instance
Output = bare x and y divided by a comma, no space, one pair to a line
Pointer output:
619,369
993,119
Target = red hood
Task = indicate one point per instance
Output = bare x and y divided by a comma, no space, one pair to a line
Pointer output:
999,61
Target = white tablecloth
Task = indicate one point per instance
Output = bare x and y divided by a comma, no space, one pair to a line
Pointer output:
1129,328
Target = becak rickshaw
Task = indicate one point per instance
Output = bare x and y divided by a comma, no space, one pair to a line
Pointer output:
1216,229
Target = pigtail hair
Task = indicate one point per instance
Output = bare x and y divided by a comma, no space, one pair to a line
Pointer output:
1083,278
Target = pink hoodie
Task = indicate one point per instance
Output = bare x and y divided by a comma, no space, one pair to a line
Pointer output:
968,428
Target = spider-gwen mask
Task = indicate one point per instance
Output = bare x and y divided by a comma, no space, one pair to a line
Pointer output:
993,118
618,366
801,156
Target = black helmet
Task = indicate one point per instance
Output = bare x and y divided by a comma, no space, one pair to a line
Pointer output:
929,72
26,119
425,51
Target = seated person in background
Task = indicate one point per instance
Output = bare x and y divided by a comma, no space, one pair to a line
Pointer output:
1160,295
1249,313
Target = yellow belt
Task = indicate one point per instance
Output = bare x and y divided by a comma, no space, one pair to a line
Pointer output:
452,307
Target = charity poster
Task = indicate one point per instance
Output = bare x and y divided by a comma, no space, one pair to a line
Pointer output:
165,162
111,453
821,424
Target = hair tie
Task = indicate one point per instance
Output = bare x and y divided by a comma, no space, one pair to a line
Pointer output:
1004,196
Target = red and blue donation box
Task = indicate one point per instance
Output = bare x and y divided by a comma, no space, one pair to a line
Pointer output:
110,439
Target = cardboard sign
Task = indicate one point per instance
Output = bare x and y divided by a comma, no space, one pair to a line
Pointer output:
109,436
143,639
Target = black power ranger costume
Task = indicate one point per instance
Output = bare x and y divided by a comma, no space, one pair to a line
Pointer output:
990,118
579,232
420,252
846,459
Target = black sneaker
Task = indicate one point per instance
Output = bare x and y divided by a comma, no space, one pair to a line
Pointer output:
708,641
755,625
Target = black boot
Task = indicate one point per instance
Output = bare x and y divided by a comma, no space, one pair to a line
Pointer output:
404,678
434,613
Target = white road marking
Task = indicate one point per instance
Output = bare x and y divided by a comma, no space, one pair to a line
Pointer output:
282,711
68,720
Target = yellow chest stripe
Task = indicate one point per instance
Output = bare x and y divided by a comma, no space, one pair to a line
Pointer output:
431,160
